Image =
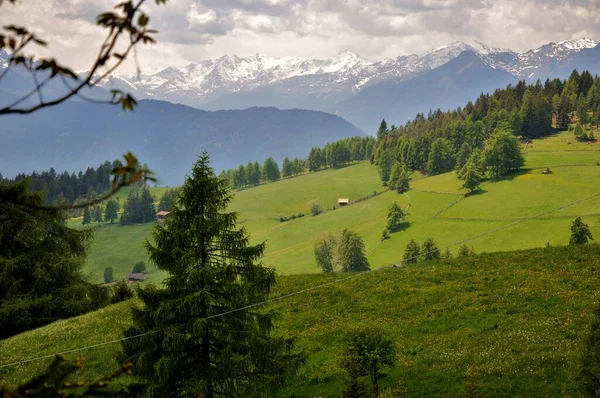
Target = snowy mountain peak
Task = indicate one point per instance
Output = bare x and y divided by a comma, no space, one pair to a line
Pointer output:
577,45
346,72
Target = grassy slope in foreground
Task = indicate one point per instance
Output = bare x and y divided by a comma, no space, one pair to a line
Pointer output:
503,324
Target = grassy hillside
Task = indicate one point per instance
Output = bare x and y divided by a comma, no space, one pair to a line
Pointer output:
502,324
437,210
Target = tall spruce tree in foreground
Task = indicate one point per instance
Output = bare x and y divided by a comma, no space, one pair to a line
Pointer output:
193,349
40,264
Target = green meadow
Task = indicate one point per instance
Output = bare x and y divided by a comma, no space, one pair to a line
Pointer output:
501,324
492,220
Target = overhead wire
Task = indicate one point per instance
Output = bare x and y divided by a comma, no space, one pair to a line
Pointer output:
315,287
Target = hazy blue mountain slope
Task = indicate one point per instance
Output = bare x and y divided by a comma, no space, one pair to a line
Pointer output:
167,136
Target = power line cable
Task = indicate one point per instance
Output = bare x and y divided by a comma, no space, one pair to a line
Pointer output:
312,287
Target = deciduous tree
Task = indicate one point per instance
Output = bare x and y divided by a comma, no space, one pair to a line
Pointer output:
580,232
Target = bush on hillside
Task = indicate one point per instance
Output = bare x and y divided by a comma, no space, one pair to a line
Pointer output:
121,292
139,267
580,233
366,353
315,207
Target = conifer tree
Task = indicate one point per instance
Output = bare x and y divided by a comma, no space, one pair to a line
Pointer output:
430,251
167,200
111,211
412,252
87,216
287,168
40,264
351,254
98,214
395,217
197,347
382,131
271,170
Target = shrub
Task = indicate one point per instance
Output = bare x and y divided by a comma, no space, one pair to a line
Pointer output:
465,251
121,292
139,267
315,207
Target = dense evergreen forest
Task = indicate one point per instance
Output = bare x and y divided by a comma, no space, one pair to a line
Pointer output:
333,154
482,138
64,187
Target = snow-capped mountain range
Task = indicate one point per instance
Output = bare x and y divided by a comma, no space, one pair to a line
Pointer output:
202,84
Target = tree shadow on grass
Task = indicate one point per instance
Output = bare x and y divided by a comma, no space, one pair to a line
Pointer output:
477,192
511,176
403,227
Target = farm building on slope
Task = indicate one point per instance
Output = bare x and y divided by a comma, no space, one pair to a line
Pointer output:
343,201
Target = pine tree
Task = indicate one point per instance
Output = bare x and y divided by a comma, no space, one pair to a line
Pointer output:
315,159
240,179
40,262
395,217
382,131
167,200
271,170
287,169
351,254
197,348
430,251
87,216
412,252
98,214
111,211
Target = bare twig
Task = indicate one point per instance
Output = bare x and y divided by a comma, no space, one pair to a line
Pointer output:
104,54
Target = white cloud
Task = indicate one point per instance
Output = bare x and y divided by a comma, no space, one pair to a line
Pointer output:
192,30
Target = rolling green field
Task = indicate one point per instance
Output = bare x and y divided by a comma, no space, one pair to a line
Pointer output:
438,209
502,324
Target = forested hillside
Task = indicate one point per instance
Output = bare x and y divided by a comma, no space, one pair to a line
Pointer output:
475,137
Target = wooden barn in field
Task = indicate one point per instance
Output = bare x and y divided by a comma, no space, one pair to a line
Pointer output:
343,202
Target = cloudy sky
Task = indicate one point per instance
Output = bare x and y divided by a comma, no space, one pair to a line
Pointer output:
193,30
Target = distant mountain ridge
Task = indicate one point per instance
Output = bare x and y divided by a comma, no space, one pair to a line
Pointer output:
75,135
205,84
